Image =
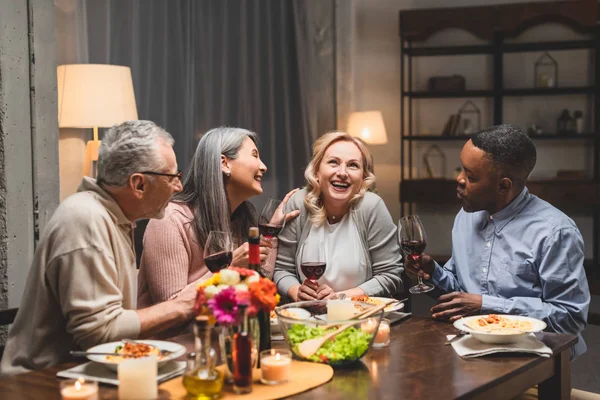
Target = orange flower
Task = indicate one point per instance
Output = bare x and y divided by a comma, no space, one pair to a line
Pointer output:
264,294
200,301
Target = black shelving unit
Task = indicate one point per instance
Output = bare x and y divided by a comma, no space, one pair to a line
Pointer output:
502,22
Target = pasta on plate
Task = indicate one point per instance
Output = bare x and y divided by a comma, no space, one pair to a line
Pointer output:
499,324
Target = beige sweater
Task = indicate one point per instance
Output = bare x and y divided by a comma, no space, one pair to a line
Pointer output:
81,285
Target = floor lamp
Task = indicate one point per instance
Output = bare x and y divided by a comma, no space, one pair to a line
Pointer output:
367,126
94,96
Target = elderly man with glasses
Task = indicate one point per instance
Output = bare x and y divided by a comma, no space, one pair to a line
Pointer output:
81,289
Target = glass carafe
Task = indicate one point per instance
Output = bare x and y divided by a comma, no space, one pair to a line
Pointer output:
201,379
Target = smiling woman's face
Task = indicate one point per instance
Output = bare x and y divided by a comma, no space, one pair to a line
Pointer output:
340,173
247,171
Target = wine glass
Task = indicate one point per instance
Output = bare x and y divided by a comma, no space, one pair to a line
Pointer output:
413,241
272,219
218,251
313,263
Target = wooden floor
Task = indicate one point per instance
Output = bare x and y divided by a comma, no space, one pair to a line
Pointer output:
585,371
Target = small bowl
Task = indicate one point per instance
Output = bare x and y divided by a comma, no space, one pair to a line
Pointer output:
506,337
308,319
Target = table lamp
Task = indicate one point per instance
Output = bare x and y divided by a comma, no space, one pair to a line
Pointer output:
94,96
368,126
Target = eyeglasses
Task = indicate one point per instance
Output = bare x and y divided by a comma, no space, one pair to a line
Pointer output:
178,175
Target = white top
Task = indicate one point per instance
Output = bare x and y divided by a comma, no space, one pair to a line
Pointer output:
344,254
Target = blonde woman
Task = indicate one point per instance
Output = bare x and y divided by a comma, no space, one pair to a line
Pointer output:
351,225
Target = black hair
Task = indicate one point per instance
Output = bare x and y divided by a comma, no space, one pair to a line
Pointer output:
510,149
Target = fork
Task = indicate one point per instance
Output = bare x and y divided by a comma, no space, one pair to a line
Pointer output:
455,338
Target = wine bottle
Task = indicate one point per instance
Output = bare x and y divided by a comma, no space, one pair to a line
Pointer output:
242,357
264,319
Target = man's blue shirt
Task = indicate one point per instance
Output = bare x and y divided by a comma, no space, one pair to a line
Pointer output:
526,259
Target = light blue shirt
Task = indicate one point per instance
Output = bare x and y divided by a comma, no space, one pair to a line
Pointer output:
526,259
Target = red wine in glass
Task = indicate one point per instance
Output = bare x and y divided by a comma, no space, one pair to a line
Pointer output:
272,219
218,251
413,248
413,240
270,230
313,270
218,261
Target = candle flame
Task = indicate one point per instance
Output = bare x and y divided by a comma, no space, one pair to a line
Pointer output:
277,356
77,385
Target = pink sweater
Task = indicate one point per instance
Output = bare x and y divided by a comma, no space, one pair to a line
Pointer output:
173,258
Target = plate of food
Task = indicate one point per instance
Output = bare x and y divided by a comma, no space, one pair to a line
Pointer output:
499,329
378,301
138,349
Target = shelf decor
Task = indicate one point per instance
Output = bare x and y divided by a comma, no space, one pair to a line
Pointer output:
469,119
565,125
434,161
546,72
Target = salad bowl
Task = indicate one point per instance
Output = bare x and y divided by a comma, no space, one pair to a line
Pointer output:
307,320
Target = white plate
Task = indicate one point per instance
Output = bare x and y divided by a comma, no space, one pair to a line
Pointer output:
499,338
177,351
392,307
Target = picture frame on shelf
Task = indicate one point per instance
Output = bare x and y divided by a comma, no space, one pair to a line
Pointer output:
469,119
434,161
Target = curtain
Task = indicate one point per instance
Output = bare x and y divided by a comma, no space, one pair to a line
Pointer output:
264,65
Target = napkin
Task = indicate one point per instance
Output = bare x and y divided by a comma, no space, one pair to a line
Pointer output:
469,347
97,372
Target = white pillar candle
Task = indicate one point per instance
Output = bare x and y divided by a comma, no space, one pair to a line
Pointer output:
137,379
78,390
275,366
339,310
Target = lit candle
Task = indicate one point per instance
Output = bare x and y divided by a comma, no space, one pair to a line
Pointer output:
137,379
338,310
369,326
275,366
382,338
78,390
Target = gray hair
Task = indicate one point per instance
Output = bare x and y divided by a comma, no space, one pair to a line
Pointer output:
128,148
204,186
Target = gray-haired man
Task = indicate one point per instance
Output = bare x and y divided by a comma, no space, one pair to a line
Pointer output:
81,289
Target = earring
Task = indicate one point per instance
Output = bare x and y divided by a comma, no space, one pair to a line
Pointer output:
228,173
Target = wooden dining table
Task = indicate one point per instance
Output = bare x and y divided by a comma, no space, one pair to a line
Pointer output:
416,365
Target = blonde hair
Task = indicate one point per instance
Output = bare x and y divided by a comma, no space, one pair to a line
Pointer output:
314,199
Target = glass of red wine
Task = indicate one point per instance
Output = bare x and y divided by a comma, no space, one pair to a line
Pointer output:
413,241
313,263
218,251
272,219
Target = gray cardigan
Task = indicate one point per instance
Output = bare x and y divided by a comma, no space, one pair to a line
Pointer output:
378,235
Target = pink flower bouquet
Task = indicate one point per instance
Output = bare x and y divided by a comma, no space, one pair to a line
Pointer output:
221,295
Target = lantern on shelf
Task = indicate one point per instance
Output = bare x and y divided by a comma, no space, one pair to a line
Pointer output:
469,119
546,72
565,125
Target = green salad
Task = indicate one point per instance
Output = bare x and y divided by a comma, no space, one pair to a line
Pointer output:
349,345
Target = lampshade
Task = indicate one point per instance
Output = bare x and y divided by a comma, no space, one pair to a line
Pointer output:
367,125
94,95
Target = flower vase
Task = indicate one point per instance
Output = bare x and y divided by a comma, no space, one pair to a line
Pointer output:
226,345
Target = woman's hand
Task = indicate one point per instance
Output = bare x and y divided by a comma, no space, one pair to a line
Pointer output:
290,215
308,291
325,292
242,253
